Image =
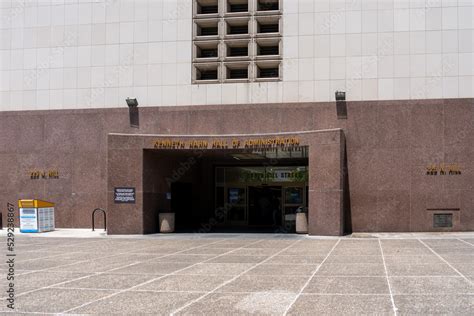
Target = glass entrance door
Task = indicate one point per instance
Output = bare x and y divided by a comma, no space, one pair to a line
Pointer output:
236,211
260,196
265,206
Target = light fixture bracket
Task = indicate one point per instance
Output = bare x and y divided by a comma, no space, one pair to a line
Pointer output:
132,103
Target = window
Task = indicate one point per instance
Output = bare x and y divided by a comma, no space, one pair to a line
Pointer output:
234,6
237,71
238,51
206,72
267,5
236,40
209,52
207,6
206,49
268,24
268,72
267,69
208,9
237,26
267,48
206,28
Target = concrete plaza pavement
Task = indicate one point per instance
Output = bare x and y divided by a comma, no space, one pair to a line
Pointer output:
243,274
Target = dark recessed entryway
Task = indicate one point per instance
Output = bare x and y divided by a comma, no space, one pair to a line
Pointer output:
228,190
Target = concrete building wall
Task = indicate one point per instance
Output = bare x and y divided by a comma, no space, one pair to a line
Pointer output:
93,54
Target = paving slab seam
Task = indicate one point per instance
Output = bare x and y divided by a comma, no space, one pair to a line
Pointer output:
59,266
69,264
310,278
28,313
103,272
134,290
82,288
231,275
53,256
466,242
152,280
54,247
272,275
445,261
74,263
394,308
247,255
43,258
231,280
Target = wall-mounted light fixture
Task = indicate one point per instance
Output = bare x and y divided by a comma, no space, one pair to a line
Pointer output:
341,106
133,112
132,102
340,96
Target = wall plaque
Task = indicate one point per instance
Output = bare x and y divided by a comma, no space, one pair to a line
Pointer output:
44,174
124,195
443,169
442,220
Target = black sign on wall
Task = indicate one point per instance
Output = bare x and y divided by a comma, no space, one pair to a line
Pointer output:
442,220
124,195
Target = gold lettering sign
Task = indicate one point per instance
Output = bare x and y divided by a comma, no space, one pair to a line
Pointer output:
44,174
169,144
219,144
271,142
224,144
443,169
198,144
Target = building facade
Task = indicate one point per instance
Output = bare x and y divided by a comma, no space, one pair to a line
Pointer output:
237,124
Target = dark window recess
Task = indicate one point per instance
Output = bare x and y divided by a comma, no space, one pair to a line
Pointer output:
208,9
238,7
442,220
268,28
238,73
207,74
208,52
207,31
268,73
239,29
267,5
268,50
238,51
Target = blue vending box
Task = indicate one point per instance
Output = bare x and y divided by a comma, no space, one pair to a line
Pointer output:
36,216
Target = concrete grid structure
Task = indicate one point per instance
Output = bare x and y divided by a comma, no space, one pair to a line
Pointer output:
406,67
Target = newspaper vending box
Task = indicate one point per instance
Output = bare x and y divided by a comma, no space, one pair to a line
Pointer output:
36,216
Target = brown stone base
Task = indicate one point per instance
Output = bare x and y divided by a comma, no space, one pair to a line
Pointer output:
385,152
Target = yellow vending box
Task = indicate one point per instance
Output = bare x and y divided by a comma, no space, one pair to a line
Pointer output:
36,216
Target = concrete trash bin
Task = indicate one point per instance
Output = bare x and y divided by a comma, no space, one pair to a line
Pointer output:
301,222
166,222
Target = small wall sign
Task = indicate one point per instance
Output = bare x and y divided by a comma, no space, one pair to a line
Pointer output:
44,174
124,195
443,169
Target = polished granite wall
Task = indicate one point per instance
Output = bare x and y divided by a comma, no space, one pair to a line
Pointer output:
326,205
389,145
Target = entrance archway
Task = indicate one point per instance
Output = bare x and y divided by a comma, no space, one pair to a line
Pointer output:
267,167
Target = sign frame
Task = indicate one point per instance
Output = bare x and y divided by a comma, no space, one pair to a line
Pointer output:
127,197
